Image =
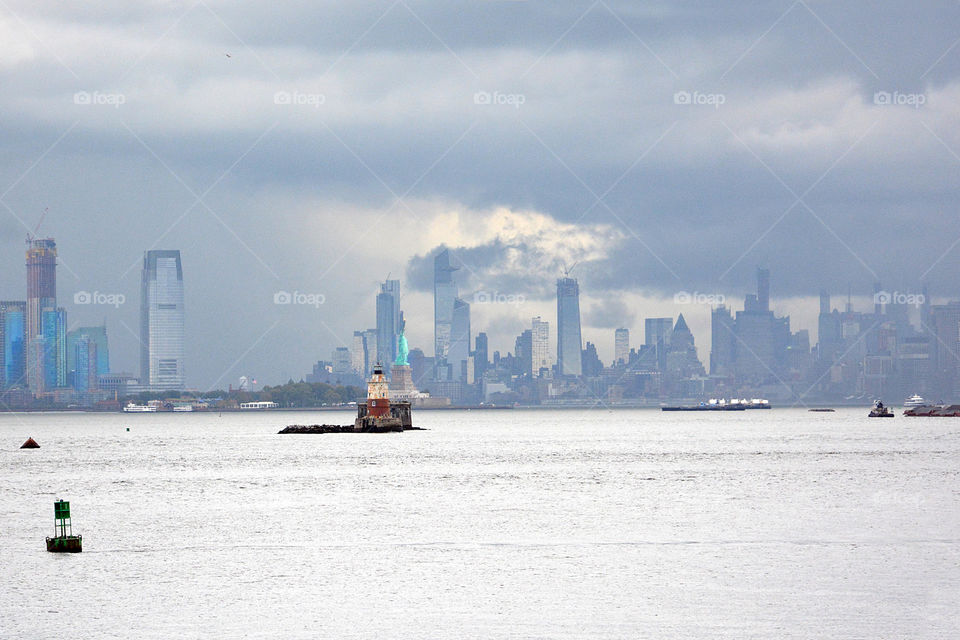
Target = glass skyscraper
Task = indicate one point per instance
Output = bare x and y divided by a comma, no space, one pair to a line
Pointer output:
569,343
161,320
14,343
388,322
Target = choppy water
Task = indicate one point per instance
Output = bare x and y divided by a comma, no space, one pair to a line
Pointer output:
502,524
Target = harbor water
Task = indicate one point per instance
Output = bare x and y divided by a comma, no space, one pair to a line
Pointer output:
492,524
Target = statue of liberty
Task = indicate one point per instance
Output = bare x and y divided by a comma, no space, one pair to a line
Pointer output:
402,348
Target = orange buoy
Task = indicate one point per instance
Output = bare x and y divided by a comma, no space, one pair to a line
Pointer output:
30,444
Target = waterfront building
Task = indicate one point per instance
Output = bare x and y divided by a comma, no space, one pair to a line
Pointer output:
162,321
569,342
459,349
540,346
621,346
13,343
99,337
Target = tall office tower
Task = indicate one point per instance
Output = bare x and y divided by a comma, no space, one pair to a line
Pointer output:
829,330
569,343
41,282
161,320
657,333
682,360
763,289
459,349
370,351
540,346
946,350
85,357
388,322
357,360
341,361
98,335
722,341
481,357
35,361
523,348
444,299
54,334
621,346
12,343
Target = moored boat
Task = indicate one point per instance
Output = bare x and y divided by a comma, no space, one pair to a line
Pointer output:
880,411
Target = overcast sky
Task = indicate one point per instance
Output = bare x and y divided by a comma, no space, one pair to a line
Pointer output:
319,146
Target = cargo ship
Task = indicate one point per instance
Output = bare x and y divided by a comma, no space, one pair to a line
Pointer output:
723,405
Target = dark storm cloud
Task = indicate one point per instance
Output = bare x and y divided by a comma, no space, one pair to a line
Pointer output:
799,169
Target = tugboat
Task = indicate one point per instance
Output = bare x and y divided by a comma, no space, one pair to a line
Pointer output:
880,411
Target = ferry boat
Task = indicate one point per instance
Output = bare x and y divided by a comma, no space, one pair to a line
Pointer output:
914,401
736,404
139,408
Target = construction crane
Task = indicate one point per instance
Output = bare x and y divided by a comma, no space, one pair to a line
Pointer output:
31,236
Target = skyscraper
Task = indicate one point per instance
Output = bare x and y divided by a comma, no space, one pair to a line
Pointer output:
540,346
722,341
161,320
444,298
41,283
459,349
569,343
657,332
621,346
481,357
98,335
13,325
357,360
388,321
54,334
85,357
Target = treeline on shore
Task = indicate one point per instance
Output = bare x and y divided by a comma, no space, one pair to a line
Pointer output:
292,394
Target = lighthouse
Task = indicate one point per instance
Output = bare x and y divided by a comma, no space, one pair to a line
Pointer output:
378,394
